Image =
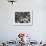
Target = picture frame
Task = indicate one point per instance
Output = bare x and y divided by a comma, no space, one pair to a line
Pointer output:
23,18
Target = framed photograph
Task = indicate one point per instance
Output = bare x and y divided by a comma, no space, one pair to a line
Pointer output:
23,18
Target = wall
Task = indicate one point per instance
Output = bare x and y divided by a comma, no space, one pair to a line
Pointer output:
9,31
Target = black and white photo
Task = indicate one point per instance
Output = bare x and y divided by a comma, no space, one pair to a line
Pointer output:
23,18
